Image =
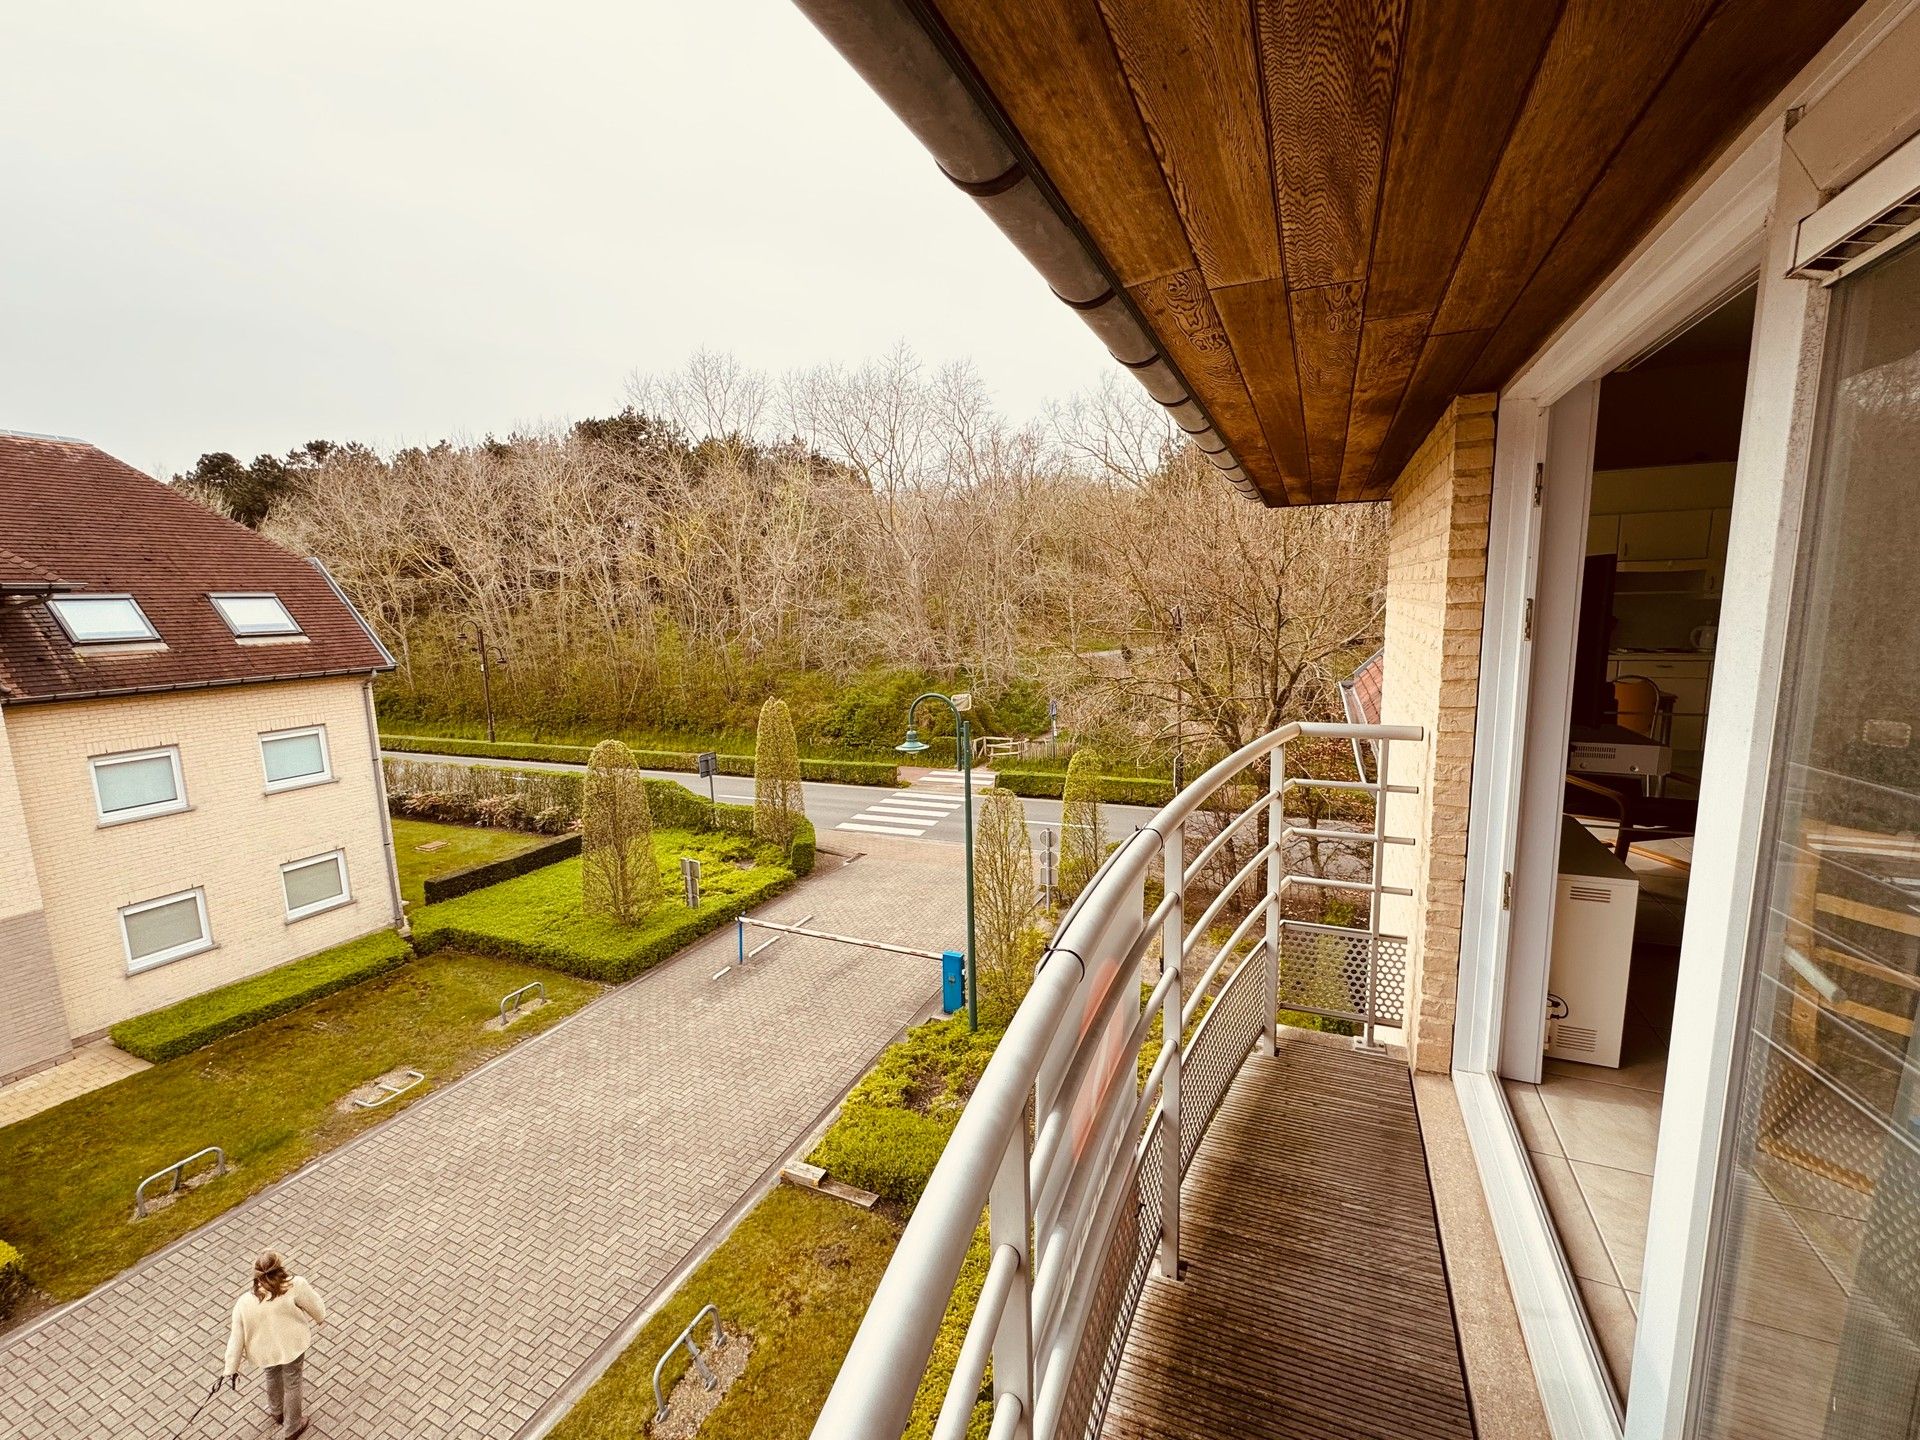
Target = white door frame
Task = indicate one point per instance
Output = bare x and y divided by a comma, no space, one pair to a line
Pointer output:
1561,505
1741,217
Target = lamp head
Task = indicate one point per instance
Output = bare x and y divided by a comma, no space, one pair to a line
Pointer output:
913,744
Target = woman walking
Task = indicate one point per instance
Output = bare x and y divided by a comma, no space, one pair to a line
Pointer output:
271,1328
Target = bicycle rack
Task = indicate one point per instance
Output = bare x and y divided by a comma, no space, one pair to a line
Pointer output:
392,1090
175,1169
685,1337
511,1001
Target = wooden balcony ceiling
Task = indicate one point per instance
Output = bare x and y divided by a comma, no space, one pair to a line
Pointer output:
1336,214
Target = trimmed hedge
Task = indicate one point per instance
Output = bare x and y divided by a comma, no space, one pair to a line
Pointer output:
897,1120
675,807
436,888
537,918
177,1029
1114,789
842,772
13,1279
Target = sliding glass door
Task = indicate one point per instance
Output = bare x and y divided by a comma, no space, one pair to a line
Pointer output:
1813,1329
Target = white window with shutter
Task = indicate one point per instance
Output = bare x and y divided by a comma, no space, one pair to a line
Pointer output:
317,883
169,928
137,784
293,758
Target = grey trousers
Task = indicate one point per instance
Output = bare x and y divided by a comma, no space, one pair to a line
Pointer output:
286,1392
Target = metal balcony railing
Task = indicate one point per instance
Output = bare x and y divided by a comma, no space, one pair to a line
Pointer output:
1074,1155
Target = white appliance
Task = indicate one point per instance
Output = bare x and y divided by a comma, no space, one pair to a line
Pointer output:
1594,901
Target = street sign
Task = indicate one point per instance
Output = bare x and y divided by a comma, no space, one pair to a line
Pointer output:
708,763
963,702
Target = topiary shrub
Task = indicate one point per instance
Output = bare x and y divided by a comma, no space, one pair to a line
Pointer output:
618,877
778,804
1083,837
1003,898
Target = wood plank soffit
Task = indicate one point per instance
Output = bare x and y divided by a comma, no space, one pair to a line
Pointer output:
1191,67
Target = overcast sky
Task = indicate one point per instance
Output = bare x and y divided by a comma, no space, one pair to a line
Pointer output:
239,225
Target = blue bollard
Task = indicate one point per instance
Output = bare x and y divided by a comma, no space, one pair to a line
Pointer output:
953,981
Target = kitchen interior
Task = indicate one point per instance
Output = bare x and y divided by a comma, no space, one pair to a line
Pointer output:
1666,444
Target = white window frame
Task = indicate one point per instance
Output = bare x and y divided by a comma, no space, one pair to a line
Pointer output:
135,965
174,806
319,907
1743,216
297,782
253,632
55,602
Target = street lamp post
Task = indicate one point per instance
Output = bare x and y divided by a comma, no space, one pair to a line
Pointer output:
963,746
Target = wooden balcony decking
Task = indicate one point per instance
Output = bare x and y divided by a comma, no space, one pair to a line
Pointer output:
1314,1301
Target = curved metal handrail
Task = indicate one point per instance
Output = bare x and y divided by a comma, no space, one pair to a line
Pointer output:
1060,1083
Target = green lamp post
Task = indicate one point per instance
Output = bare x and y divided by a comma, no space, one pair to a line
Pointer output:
963,745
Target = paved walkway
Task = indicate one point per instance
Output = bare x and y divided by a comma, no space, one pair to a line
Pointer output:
88,1068
477,1249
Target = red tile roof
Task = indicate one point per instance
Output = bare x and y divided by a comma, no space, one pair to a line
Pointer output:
73,517
1360,692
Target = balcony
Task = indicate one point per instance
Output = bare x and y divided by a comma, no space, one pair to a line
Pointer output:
1231,1236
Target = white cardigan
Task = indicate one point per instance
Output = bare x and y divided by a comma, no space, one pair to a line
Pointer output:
273,1332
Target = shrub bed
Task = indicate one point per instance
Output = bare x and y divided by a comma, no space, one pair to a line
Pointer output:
13,1279
844,772
476,877
896,1121
1114,789
162,1034
540,802
537,917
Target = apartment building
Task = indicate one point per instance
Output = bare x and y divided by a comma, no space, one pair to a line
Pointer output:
190,787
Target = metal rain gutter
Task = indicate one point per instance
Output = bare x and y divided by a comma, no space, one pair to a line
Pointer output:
898,55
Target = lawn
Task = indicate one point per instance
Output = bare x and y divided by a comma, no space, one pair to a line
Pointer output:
459,847
537,917
796,1274
269,1095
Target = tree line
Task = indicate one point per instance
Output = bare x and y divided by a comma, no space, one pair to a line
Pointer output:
731,535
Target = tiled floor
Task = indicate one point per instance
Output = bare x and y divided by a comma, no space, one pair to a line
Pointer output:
90,1067
1591,1131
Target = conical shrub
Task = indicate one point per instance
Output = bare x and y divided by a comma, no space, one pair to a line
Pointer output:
619,876
778,804
1003,891
1083,837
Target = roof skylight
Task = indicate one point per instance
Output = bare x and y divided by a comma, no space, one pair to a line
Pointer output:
101,619
251,615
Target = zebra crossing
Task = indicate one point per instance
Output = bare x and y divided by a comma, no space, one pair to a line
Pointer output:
910,813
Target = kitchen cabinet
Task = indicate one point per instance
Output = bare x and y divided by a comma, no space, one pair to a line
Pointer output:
1662,535
1603,534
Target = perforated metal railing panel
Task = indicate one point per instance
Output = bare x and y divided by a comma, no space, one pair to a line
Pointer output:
1122,1276
1314,1300
1323,971
1218,1047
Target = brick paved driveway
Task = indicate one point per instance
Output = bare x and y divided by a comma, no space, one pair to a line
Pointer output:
476,1249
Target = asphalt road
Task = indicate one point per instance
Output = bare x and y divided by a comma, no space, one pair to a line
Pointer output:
930,809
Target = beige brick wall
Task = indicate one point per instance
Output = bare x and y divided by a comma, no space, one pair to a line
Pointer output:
33,1021
231,842
1436,587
